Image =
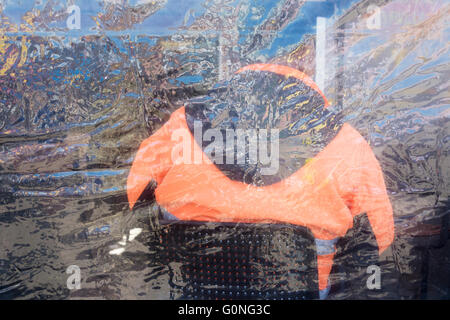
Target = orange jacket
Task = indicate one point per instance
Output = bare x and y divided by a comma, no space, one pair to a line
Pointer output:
340,182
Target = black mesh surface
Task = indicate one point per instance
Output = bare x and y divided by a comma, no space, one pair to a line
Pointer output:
240,261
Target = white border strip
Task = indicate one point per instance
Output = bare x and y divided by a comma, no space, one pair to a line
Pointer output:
321,34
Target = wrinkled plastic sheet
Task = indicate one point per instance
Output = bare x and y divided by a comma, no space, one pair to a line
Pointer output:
79,96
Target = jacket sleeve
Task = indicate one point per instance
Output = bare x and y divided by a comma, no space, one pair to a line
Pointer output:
152,161
368,192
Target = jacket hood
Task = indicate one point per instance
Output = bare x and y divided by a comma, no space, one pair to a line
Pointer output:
264,102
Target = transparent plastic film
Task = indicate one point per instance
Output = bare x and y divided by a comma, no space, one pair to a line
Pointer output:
291,149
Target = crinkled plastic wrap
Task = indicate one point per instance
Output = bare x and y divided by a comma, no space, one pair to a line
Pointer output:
224,149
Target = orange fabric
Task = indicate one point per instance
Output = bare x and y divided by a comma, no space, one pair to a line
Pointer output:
340,182
287,72
324,265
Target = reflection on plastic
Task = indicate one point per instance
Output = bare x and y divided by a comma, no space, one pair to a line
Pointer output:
75,104
337,183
